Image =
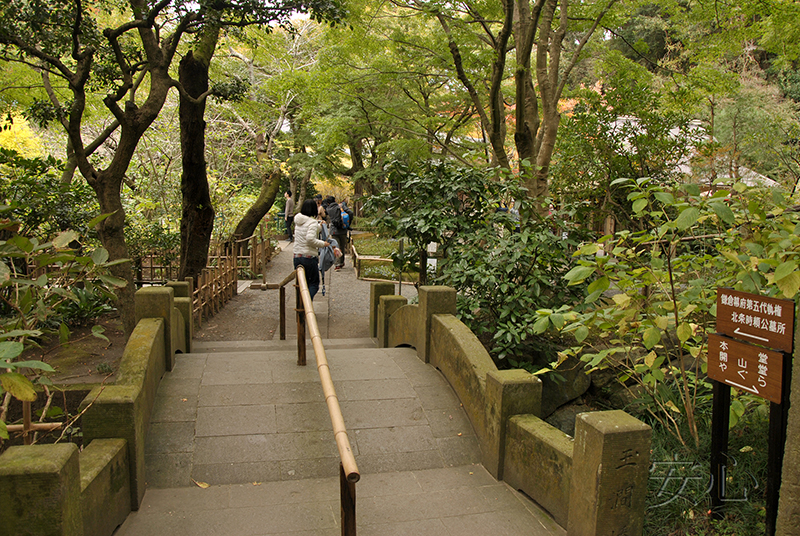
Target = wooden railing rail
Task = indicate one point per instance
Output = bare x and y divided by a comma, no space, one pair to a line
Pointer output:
282,308
348,470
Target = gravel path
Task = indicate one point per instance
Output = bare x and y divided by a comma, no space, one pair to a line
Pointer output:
253,314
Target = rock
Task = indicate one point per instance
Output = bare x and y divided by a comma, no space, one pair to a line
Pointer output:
568,382
564,417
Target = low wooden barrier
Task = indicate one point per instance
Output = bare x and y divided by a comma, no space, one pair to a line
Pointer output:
214,287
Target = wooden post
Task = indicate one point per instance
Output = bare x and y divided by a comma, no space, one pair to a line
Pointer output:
301,327
348,503
282,312
720,415
27,436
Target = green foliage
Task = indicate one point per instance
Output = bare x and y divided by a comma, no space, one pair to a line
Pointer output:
85,306
653,292
43,206
623,132
440,203
37,281
511,282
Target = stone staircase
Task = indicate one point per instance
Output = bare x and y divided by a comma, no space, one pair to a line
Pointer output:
241,444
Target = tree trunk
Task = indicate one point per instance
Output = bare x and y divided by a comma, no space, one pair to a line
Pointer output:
197,218
269,190
111,234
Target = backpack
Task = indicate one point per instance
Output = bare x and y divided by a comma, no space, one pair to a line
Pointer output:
335,215
350,217
346,219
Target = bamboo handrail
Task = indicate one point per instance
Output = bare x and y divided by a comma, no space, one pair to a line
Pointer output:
339,431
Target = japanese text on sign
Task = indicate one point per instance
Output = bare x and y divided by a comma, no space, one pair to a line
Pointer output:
757,319
746,366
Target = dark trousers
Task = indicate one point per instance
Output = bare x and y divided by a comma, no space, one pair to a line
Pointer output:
341,238
289,221
311,266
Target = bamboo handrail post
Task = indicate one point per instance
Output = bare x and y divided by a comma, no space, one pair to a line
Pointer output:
347,497
283,313
301,324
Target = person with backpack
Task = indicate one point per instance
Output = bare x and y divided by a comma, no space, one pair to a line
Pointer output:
338,229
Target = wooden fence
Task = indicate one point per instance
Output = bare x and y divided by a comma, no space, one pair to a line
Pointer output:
214,287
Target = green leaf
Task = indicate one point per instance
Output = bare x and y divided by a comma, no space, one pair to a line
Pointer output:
578,274
64,239
36,365
664,197
95,221
112,281
19,386
684,332
541,325
98,331
3,430
639,205
724,213
651,337
5,273
599,285
557,320
100,255
687,218
10,349
789,285
63,333
785,269
581,333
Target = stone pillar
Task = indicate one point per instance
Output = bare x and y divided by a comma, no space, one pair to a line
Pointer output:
183,302
376,290
610,464
433,301
157,302
386,307
40,490
508,393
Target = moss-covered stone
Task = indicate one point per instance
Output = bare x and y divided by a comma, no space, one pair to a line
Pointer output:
538,461
387,306
123,410
404,327
508,392
610,464
105,485
376,290
157,302
40,491
433,301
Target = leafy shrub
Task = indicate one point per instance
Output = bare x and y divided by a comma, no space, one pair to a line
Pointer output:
504,277
85,305
652,297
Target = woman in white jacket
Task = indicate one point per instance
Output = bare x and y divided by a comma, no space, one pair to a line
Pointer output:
307,245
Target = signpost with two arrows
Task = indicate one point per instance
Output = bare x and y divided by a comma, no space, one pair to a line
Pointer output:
752,352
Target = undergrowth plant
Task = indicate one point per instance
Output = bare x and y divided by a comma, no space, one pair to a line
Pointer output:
652,293
37,280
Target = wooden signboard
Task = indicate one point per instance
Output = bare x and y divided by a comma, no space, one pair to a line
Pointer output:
757,319
746,366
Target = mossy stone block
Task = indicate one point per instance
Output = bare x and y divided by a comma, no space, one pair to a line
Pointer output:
387,306
611,459
538,461
105,485
376,290
508,392
40,491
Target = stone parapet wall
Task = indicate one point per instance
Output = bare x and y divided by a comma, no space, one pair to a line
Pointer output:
594,484
54,489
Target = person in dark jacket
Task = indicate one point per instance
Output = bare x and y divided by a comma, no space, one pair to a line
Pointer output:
338,230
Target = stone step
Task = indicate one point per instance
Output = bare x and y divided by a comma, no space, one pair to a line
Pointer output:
276,345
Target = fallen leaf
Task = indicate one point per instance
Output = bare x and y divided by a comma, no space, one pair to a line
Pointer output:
203,485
